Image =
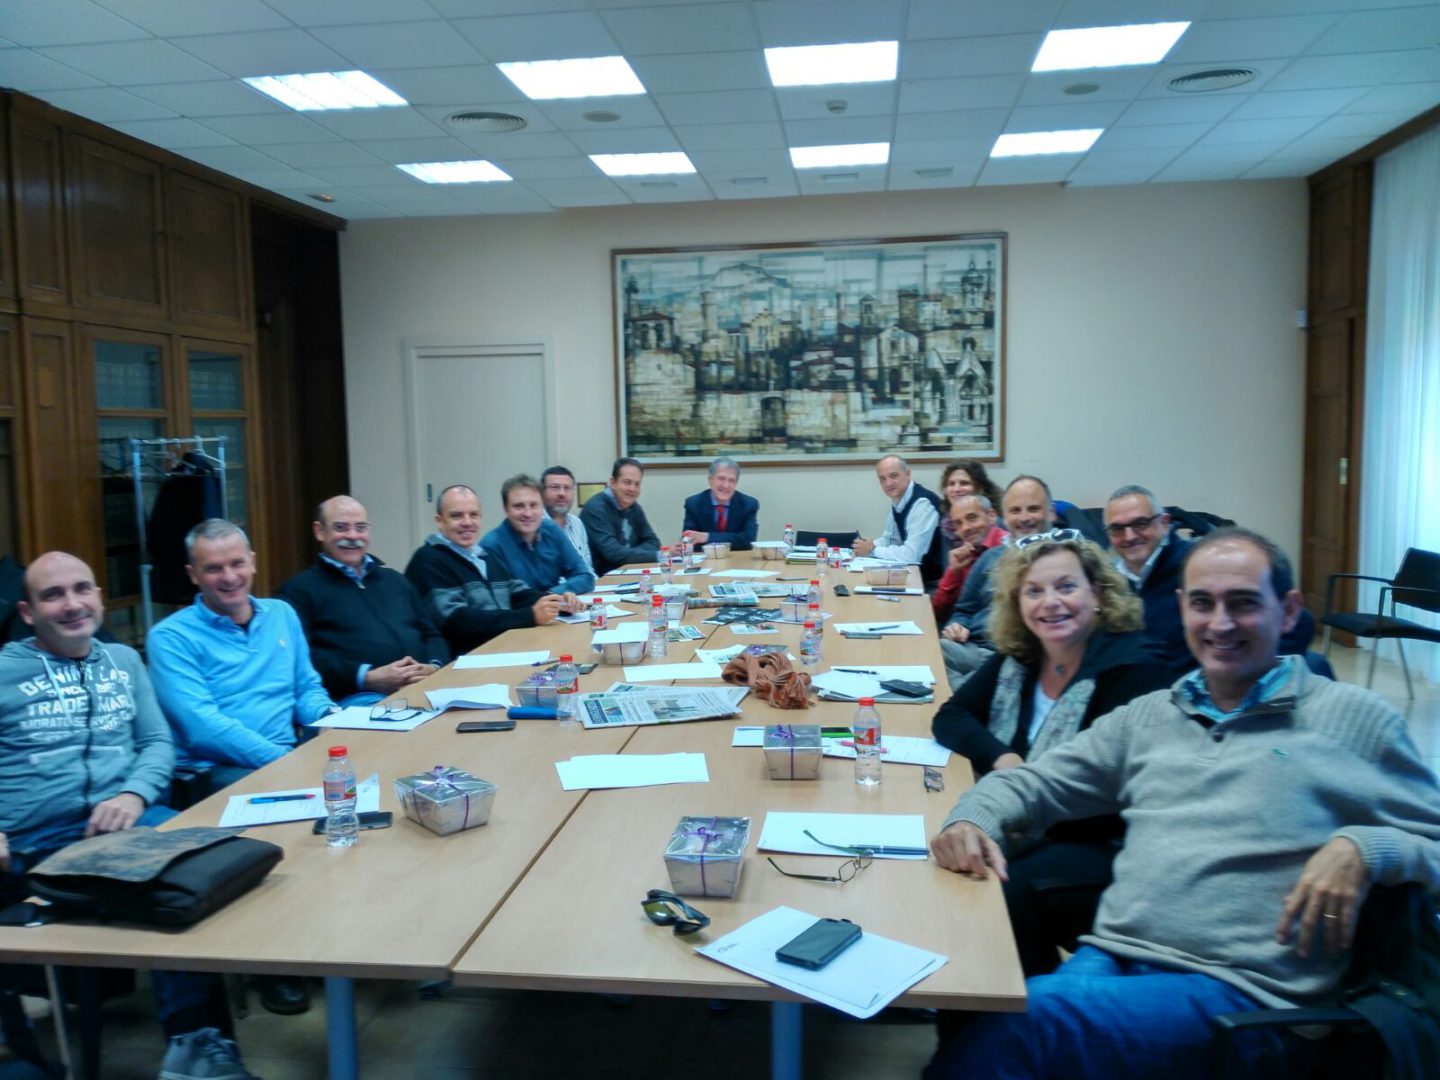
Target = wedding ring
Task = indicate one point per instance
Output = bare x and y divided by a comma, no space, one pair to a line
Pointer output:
1327,915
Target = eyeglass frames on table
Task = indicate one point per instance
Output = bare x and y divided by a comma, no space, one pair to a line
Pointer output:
395,712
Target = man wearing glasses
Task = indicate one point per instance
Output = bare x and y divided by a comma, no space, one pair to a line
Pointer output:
557,489
368,630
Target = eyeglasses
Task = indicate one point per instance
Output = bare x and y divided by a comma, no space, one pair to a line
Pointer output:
1053,536
395,712
666,909
1117,529
843,873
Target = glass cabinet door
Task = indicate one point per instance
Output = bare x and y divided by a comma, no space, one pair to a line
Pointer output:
217,407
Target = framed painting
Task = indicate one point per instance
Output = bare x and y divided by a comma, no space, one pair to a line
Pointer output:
827,353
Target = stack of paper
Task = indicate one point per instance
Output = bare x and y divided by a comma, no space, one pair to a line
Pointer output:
898,750
502,659
631,770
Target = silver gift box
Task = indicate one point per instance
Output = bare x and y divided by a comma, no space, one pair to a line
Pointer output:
446,800
706,854
537,691
793,751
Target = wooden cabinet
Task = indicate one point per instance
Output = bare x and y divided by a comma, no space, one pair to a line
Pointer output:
39,191
59,513
209,254
115,207
7,238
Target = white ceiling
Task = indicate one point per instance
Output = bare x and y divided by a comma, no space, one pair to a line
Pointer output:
1332,75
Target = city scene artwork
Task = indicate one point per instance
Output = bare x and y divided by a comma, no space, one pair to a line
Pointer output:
832,352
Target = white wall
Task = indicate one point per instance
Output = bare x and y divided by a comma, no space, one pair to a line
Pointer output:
1151,338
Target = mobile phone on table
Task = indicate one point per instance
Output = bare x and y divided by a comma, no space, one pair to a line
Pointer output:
371,819
905,688
470,727
585,669
841,590
819,943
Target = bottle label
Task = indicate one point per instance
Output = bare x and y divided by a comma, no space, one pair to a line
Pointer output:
340,788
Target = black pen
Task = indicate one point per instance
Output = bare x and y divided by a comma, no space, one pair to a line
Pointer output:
886,626
881,849
856,670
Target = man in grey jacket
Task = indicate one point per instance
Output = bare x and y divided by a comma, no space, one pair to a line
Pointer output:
84,749
1261,802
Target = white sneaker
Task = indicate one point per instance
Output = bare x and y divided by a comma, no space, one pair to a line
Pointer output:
203,1055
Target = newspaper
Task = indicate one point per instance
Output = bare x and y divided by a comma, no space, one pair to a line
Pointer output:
666,707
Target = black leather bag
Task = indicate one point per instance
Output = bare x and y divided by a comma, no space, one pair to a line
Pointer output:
171,878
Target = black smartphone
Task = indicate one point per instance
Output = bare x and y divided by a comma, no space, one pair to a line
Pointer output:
841,590
905,688
585,669
468,727
819,943
371,819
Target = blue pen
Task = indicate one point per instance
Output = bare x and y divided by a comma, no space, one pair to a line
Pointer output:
256,800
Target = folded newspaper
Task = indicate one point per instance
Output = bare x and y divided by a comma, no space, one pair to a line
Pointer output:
627,705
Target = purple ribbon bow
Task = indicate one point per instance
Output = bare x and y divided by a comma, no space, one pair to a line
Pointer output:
785,734
706,834
442,776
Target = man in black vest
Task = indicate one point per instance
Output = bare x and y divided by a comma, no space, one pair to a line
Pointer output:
912,534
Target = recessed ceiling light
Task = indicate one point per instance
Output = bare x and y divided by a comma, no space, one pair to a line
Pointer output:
595,76
322,90
933,173
1076,141
455,172
600,116
477,121
1210,80
749,181
1107,46
822,157
643,164
819,65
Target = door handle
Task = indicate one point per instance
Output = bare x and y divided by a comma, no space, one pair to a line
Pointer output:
429,493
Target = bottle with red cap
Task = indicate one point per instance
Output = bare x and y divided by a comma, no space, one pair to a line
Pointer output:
567,682
342,826
865,734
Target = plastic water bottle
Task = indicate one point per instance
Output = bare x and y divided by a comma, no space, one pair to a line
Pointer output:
788,535
599,619
815,615
665,568
822,552
813,595
647,585
687,549
659,645
567,682
865,734
342,827
810,648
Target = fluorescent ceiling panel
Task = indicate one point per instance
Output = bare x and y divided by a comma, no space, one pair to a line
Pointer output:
821,65
1027,143
325,90
824,157
455,172
595,76
1107,46
665,164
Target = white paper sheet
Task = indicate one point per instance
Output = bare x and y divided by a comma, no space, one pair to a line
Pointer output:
240,812
584,616
859,682
908,672
785,831
357,718
861,981
636,631
748,736
747,573
897,750
666,672
488,696
879,626
502,659
719,656
631,770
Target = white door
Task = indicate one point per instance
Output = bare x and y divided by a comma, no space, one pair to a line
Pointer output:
478,415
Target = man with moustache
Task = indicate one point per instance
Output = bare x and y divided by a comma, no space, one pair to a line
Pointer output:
619,531
368,630
557,488
974,519
534,547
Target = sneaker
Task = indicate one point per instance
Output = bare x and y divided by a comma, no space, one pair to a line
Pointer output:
203,1055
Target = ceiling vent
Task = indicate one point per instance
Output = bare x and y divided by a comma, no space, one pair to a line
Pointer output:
600,116
490,123
1204,82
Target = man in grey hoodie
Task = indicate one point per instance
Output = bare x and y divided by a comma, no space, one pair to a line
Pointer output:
84,749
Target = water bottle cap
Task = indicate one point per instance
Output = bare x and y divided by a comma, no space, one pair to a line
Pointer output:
867,701
823,540
814,581
657,600
788,525
339,751
809,626
566,658
644,572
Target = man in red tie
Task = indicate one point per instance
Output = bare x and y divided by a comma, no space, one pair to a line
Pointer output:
722,514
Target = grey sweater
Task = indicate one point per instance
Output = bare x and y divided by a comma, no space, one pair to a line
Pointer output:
1221,821
74,733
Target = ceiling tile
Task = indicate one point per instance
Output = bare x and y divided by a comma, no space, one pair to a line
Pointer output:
776,185
1099,114
741,161
345,12
1137,157
1219,40
1082,177
1238,9
813,102
502,199
289,178
1282,129
1171,135
945,95
829,22
978,18
731,136
942,152
1403,97
1198,172
165,18
1327,148
521,144
399,45
1413,65
469,84
21,69
135,63
1115,84
1273,103
1347,125
701,28
613,140
463,9
666,189
1376,31
1276,169
732,107
356,175
1078,13
545,168
266,52
358,210
1010,54
633,112
1041,169
404,151
225,97
970,123
838,130
1329,72
63,22
1178,110
378,124
539,37
105,104
580,191
694,72
307,155
288,127
171,134
231,159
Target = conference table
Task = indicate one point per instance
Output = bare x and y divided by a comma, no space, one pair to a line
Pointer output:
546,895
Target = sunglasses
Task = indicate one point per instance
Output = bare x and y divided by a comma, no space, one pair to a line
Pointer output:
1054,536
666,909
394,712
1118,529
843,873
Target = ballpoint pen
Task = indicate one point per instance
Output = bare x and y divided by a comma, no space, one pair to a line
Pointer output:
256,800
886,626
857,670
881,849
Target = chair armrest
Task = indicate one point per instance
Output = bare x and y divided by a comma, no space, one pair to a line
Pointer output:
1330,587
1390,590
1227,1023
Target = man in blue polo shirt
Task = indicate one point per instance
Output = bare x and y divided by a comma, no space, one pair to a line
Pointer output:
537,551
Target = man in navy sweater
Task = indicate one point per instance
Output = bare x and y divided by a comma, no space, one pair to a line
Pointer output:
723,515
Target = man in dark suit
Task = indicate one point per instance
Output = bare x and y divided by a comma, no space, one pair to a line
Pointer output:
722,515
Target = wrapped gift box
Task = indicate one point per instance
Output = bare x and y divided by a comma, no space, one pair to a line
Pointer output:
793,751
538,691
706,854
446,800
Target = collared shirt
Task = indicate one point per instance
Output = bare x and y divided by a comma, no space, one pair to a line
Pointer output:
574,530
350,571
475,553
920,525
1137,580
1265,688
550,563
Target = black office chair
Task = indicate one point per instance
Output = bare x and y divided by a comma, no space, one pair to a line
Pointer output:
838,538
1390,1004
1415,584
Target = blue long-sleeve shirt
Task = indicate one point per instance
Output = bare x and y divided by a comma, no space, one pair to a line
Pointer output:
233,694
552,565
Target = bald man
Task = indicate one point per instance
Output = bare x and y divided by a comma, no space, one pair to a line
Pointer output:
369,632
912,532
